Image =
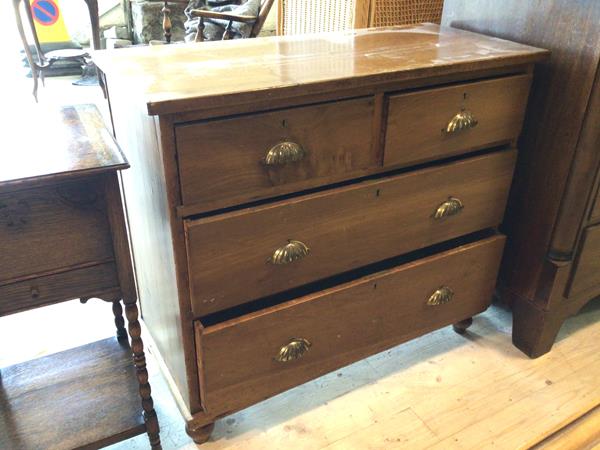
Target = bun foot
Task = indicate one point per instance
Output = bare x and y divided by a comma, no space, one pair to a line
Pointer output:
199,433
461,327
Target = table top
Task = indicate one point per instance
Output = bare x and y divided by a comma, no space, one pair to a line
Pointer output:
180,77
47,143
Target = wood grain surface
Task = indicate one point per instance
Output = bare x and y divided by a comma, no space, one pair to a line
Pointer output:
356,319
344,228
177,78
222,162
417,120
46,143
93,386
93,281
46,229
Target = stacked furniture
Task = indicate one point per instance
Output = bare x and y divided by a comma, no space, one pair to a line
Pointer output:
63,237
299,204
552,263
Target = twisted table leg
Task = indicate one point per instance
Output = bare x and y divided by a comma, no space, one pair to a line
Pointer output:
119,321
139,359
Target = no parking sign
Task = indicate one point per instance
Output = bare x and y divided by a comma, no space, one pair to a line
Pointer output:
48,21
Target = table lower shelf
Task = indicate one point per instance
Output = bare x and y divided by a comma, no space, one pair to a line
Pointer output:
87,397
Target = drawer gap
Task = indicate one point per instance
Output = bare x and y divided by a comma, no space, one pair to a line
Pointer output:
282,297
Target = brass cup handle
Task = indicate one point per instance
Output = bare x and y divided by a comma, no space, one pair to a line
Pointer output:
292,251
449,208
440,296
284,153
296,348
464,120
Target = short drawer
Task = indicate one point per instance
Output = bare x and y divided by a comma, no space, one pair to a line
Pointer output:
231,161
586,277
94,281
283,245
437,123
250,358
46,229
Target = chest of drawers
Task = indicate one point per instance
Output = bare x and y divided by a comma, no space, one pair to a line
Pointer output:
299,203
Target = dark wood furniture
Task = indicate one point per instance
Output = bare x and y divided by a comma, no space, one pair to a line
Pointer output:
256,22
63,237
42,60
336,196
552,263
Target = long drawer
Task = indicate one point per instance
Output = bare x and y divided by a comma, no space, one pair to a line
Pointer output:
100,280
231,161
50,228
250,358
244,255
436,123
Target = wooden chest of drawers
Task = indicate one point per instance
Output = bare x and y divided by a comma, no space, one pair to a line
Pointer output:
298,204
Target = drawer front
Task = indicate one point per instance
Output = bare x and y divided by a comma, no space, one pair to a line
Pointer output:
231,161
94,281
279,246
586,277
248,359
419,123
46,229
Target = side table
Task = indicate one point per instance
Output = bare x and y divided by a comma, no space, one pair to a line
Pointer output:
64,237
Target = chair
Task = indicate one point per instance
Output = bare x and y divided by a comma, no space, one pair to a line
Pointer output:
45,60
230,18
314,16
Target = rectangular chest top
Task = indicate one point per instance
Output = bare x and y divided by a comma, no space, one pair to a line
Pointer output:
44,143
183,77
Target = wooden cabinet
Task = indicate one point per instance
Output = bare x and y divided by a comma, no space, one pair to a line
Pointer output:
64,237
315,210
550,268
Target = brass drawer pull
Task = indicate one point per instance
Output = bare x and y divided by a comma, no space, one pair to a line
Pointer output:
294,350
441,296
450,207
464,120
284,153
290,252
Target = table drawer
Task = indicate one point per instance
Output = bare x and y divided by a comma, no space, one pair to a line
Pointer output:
87,282
418,126
586,278
231,161
279,246
50,228
250,358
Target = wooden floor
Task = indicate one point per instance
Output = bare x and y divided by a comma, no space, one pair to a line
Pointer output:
442,391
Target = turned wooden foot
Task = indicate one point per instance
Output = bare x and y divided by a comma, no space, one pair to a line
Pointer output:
139,359
461,327
534,330
199,433
119,321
